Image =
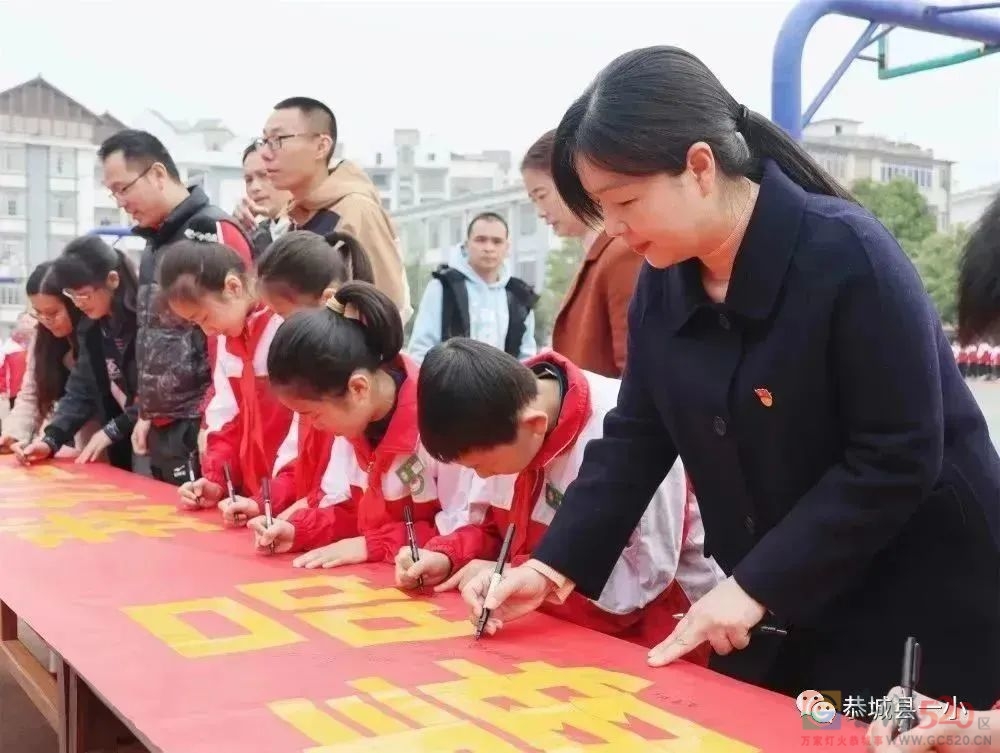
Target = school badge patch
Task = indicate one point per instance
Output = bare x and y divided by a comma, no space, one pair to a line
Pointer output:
553,497
411,473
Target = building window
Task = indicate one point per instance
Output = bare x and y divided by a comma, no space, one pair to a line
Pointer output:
12,158
528,219
430,157
13,263
456,234
923,177
12,205
433,234
63,207
381,180
526,271
62,163
432,182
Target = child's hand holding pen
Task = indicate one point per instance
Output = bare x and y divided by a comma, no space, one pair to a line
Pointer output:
199,494
236,511
431,567
274,538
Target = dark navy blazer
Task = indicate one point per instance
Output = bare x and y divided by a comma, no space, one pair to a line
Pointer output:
842,466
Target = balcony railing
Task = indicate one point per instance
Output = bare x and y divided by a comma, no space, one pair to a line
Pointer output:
12,294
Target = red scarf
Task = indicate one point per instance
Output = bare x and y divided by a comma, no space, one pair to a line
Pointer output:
573,416
252,457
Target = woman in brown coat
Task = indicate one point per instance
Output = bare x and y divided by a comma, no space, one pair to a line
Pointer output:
591,328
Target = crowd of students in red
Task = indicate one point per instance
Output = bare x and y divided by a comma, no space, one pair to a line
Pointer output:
978,360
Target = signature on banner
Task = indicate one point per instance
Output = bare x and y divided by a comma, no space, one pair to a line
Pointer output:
549,708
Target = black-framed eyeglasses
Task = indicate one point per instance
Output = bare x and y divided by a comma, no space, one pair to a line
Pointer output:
119,192
274,143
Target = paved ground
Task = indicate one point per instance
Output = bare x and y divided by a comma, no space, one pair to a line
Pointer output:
22,729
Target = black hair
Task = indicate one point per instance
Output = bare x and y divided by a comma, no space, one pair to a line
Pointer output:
469,397
539,154
88,260
139,148
321,116
48,351
250,149
644,111
489,216
301,262
979,278
316,351
198,264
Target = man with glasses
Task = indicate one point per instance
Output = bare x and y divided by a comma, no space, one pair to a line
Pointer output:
298,142
174,362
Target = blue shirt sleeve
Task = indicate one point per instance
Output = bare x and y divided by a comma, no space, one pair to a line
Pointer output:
427,323
528,345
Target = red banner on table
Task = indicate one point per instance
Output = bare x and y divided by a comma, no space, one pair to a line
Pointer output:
205,646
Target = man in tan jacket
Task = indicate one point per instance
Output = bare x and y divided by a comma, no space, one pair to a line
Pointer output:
298,141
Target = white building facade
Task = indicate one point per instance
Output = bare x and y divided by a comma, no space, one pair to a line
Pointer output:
849,156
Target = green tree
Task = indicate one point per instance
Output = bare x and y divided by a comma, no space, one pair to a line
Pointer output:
936,258
900,206
560,267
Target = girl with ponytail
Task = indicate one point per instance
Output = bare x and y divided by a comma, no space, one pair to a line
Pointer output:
302,270
780,342
340,369
101,282
208,284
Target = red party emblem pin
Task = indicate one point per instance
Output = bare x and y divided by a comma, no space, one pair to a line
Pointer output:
766,399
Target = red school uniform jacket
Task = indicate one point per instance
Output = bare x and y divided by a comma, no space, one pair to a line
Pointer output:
663,569
372,486
246,422
14,364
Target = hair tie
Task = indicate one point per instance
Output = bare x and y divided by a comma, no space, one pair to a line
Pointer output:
194,235
338,245
742,119
349,311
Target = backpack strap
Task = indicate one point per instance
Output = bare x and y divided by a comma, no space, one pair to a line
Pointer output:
454,303
521,299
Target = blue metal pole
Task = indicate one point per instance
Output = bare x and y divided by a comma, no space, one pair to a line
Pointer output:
786,67
863,41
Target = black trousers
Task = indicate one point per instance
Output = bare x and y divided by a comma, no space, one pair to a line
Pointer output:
171,448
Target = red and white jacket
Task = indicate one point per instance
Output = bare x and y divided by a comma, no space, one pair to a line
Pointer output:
663,568
246,422
363,491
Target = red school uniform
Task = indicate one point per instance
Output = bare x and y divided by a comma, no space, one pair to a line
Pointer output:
14,364
373,485
246,422
661,572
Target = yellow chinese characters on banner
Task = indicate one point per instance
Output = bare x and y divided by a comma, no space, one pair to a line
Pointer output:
347,609
49,487
550,709
102,526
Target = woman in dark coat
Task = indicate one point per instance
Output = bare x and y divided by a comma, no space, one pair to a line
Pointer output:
783,345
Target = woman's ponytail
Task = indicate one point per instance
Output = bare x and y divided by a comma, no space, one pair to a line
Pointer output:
355,258
769,141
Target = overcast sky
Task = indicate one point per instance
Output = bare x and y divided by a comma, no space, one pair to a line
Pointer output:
474,74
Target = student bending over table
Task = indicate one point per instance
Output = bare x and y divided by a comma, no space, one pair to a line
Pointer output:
208,284
299,271
523,428
340,368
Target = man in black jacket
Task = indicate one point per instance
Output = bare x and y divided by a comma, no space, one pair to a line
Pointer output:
173,362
